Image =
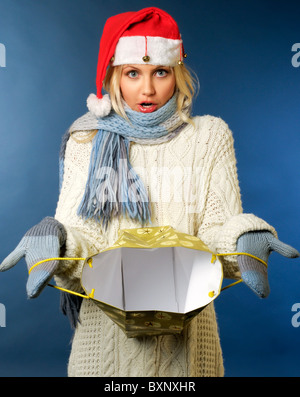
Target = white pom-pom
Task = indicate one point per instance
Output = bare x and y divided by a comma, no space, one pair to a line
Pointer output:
99,107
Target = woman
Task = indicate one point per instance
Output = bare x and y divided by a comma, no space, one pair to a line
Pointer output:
138,158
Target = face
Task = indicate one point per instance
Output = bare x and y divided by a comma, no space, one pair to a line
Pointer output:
146,88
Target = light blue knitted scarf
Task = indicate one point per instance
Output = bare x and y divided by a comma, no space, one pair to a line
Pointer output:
113,187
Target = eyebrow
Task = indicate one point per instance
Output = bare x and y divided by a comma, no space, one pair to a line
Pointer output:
136,68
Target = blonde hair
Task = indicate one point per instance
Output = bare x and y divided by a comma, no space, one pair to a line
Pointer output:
187,86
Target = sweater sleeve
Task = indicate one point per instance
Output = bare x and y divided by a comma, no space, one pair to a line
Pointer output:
84,238
223,221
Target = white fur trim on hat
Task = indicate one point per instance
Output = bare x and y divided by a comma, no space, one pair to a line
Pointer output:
162,51
100,107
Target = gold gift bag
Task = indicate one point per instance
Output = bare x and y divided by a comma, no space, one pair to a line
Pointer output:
152,281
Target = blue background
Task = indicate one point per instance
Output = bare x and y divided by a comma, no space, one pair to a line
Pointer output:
242,54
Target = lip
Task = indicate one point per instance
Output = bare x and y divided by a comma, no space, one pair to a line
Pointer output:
149,109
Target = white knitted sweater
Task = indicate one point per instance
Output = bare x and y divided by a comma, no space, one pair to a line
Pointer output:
193,186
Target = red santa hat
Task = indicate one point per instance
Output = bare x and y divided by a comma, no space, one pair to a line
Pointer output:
149,36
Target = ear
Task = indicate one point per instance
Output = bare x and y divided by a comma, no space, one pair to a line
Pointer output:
100,107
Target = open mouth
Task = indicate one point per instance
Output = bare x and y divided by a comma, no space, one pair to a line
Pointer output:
146,104
147,107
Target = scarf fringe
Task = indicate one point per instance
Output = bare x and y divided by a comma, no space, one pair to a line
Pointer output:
118,189
70,307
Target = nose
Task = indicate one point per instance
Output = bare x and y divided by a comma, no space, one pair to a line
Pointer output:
148,86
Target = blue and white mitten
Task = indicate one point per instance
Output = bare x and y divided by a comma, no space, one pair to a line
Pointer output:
260,244
42,241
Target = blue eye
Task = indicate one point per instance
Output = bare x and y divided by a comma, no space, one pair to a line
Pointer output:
132,74
161,73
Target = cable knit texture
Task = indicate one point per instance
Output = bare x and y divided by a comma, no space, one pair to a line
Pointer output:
193,186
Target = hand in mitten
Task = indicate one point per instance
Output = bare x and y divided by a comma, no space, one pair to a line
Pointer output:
42,241
260,244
